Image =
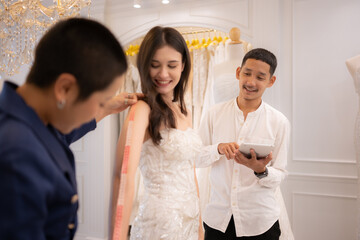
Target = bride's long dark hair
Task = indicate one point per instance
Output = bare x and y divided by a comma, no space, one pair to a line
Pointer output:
160,112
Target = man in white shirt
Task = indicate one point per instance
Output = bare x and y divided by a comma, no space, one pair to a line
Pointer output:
242,202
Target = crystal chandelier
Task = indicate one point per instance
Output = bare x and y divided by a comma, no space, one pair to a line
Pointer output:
23,22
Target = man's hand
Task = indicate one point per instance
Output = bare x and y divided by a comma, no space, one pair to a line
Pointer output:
118,104
256,164
228,149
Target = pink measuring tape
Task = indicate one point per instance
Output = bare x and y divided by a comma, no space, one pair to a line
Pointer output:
124,168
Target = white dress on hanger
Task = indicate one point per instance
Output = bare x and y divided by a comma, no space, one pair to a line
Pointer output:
131,84
220,52
209,96
225,85
169,207
222,84
200,75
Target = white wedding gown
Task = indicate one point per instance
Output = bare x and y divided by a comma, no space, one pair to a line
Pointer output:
169,207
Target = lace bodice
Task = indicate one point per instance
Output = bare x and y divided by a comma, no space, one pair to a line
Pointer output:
169,208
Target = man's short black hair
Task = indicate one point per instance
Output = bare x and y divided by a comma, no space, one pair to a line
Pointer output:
262,55
81,47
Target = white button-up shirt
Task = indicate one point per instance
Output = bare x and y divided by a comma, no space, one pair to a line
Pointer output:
235,190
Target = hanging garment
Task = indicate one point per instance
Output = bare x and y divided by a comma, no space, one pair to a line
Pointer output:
200,72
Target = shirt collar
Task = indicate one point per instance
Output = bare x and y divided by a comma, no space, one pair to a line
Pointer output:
250,114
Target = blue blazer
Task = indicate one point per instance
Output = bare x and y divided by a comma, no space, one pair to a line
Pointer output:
38,195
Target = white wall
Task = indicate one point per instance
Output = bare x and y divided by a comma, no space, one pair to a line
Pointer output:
321,190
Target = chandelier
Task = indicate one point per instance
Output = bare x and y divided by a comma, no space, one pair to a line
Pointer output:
23,22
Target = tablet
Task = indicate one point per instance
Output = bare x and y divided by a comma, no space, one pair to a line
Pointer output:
261,150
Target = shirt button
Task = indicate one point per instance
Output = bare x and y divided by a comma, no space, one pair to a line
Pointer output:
233,204
74,199
71,226
236,171
234,187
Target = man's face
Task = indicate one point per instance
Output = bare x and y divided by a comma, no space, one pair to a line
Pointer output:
254,77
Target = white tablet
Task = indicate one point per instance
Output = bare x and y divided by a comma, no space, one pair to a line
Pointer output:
261,150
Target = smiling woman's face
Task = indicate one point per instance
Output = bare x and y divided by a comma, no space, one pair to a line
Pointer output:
165,70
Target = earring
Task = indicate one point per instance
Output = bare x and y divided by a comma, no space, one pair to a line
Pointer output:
61,104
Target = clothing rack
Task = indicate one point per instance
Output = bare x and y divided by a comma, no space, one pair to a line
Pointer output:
199,31
194,43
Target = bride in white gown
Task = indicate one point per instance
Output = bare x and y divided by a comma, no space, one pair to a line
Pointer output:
170,205
163,145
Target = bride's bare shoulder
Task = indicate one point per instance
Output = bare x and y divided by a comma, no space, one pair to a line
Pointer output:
141,107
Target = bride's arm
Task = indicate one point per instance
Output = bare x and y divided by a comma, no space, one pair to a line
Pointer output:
139,127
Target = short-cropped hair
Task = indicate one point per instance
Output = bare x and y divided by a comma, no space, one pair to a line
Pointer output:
82,47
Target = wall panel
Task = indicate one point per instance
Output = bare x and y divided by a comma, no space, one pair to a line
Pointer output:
319,216
324,100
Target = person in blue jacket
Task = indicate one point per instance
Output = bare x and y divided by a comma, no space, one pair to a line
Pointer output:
78,67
